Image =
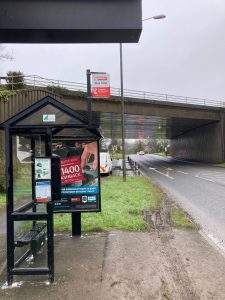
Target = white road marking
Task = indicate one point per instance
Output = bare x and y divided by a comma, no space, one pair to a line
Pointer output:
206,179
166,175
212,176
185,173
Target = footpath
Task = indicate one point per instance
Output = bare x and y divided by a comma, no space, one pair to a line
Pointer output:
164,263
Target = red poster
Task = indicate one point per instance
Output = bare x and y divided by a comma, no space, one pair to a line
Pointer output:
101,92
141,134
71,170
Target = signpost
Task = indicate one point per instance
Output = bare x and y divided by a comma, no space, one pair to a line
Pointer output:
100,85
98,88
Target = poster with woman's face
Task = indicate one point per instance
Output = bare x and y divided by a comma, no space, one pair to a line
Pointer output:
79,168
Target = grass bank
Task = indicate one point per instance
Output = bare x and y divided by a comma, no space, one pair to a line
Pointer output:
118,155
179,219
22,189
122,206
221,165
2,200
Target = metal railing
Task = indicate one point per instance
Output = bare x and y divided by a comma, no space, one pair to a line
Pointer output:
62,86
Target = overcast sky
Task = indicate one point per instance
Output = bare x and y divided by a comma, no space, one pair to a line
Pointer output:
183,54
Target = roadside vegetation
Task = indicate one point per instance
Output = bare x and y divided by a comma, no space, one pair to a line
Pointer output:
6,94
22,188
123,207
179,219
2,200
160,153
123,204
118,155
221,165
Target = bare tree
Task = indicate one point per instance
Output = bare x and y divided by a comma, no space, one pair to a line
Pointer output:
4,55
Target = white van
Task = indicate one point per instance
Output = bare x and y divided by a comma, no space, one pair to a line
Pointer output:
105,163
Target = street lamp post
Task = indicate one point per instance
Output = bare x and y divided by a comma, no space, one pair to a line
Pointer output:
157,17
122,112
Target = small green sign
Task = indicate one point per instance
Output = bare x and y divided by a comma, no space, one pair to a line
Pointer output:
48,118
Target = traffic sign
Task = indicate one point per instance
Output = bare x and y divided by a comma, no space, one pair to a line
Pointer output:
100,87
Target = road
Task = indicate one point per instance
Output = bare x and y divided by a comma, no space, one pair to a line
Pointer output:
198,188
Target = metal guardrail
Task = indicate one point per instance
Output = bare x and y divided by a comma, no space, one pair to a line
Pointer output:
35,81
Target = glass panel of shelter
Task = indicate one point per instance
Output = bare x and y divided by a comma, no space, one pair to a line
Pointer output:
23,153
25,148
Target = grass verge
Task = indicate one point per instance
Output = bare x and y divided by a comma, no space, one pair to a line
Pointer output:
118,155
220,165
122,206
179,219
22,189
159,153
2,200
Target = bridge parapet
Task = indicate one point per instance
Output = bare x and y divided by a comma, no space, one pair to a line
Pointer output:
65,87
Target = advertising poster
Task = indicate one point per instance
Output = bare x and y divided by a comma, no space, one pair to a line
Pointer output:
79,169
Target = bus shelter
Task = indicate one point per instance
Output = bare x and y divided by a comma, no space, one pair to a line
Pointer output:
52,166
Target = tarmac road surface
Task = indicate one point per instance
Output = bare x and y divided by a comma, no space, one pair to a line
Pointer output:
199,188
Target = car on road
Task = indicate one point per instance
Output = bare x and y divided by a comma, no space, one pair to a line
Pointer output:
105,163
141,153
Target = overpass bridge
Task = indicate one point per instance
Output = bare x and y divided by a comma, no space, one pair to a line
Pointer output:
195,126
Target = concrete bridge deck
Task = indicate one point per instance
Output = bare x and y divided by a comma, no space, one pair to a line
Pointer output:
193,125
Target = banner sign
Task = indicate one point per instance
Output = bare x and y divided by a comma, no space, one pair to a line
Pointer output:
100,86
80,191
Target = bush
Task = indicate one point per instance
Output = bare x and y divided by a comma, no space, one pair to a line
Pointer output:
57,89
5,95
2,175
15,80
80,94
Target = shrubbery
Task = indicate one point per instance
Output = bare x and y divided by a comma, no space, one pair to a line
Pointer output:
6,94
57,89
2,175
15,80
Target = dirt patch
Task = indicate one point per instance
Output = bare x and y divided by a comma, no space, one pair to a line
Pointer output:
160,218
171,264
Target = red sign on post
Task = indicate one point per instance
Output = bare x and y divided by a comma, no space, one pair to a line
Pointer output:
100,86
71,170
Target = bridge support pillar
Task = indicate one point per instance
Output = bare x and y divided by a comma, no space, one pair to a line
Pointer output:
205,143
222,120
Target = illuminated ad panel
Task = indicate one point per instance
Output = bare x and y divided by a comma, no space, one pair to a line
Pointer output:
79,164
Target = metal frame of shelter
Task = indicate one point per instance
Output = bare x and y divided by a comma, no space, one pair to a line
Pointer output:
27,123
